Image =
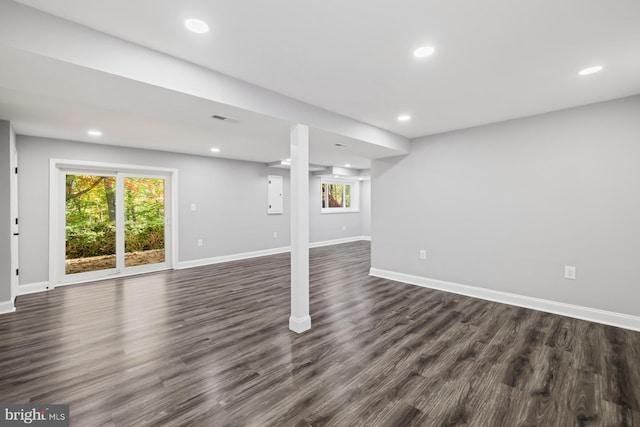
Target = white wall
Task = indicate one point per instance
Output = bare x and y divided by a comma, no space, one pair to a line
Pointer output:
507,206
230,195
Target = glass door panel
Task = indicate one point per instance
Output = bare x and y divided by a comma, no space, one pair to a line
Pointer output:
90,223
144,221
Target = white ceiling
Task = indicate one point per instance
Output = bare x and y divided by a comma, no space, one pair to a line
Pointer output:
50,98
494,60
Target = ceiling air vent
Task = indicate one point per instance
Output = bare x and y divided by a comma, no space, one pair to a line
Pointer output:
224,118
341,145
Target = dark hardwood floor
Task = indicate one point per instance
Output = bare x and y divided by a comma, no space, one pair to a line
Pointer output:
210,346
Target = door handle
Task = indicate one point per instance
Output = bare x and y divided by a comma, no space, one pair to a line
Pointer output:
16,234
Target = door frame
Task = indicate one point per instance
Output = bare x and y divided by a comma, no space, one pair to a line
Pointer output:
15,227
58,168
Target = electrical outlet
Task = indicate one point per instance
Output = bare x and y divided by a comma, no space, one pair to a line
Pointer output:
200,242
423,254
569,272
275,234
193,207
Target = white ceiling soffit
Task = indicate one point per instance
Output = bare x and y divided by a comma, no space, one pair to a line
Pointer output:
494,59
49,98
286,164
30,30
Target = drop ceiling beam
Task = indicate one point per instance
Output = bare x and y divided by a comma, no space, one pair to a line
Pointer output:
335,170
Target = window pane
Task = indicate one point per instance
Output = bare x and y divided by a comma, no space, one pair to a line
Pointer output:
335,195
90,223
143,221
347,196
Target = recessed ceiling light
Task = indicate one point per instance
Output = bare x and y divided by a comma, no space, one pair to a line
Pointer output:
215,150
404,118
196,25
336,176
347,165
94,132
590,70
423,52
287,160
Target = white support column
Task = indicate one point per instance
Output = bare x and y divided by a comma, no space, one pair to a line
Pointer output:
300,320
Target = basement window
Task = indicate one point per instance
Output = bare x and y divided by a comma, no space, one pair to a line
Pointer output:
340,195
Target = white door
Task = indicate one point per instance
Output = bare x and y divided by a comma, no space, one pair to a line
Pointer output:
15,221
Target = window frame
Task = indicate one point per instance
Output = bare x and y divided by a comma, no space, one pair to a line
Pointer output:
354,196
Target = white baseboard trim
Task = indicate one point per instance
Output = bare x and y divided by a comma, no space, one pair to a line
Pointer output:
7,307
338,241
232,257
620,320
265,252
299,325
32,288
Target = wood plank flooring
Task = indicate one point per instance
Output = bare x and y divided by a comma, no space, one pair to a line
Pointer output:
210,346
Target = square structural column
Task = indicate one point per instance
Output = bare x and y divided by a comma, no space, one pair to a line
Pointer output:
300,320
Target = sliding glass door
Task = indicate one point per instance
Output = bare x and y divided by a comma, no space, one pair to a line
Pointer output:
114,223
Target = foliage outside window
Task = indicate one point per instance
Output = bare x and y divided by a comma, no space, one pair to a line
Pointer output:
339,196
91,215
